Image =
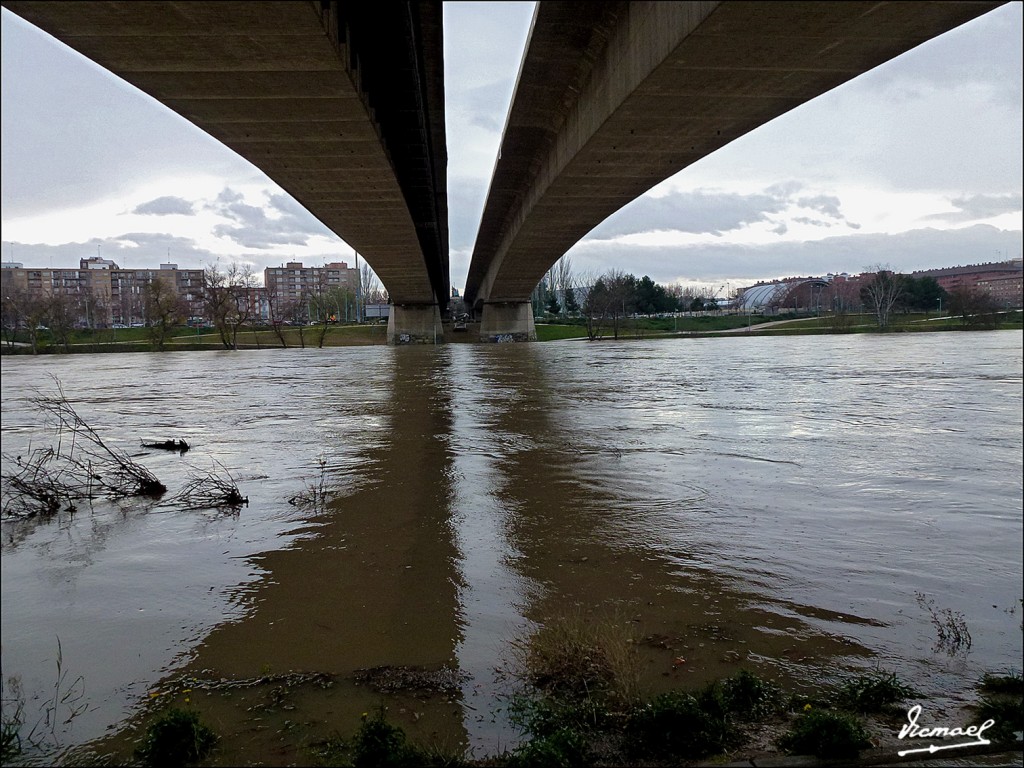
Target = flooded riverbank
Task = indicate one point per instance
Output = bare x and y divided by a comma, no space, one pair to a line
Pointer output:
771,503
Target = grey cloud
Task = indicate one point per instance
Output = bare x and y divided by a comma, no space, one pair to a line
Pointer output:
981,207
826,204
251,227
165,206
905,252
697,212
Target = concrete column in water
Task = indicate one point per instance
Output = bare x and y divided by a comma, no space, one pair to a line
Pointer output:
415,324
505,321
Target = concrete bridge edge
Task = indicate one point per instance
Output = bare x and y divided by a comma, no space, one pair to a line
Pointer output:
415,324
507,321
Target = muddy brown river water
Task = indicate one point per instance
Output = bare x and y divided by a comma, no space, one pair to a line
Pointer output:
772,503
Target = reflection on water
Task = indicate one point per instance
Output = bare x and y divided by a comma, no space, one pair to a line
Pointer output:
771,502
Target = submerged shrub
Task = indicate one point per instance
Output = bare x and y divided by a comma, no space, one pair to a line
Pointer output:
826,734
176,738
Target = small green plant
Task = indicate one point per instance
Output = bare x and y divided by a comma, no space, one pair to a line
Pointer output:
564,748
12,717
876,692
750,698
681,725
176,738
545,716
380,744
826,735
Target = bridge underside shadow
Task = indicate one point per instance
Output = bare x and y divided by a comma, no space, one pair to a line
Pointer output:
341,104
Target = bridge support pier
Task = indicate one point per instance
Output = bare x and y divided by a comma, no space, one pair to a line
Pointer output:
415,324
504,321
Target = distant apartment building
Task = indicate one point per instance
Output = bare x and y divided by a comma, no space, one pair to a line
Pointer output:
100,293
292,287
1003,280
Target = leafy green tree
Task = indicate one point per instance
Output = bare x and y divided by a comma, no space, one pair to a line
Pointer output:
553,306
572,306
922,294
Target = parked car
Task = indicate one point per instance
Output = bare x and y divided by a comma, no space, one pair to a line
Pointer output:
119,325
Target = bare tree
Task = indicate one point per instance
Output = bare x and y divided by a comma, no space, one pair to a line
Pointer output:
165,309
227,300
15,312
277,307
61,316
976,307
882,292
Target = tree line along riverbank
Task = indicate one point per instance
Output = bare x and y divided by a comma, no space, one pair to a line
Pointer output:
43,341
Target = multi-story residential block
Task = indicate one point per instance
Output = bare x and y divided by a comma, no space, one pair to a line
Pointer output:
1003,280
295,290
100,294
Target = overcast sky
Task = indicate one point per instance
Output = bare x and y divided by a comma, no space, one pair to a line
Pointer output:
916,164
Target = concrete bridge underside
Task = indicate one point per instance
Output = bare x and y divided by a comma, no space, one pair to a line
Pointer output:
615,97
340,103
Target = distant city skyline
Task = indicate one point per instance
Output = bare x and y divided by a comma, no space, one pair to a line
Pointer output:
915,165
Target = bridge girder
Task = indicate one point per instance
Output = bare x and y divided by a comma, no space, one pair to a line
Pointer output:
615,97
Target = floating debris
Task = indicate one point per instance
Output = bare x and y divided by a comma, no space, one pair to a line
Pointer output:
167,445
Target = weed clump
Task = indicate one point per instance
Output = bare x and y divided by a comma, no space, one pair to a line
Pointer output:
176,738
748,697
877,692
826,735
379,744
577,658
1003,702
1011,683
681,725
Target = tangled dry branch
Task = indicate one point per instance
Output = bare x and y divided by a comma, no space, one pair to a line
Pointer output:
37,487
206,490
